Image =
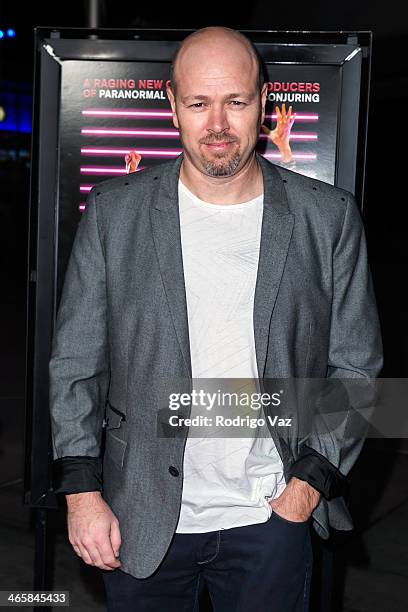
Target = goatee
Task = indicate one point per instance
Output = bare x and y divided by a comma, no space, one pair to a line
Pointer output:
222,167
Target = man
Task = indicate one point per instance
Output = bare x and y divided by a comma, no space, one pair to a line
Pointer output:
216,265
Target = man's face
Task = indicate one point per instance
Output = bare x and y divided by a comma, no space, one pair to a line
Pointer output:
219,108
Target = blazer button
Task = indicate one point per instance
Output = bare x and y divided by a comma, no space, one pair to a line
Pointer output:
173,470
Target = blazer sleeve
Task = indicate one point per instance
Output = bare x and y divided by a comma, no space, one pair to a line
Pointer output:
355,352
79,366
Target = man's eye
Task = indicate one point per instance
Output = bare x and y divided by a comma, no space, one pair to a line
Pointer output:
201,104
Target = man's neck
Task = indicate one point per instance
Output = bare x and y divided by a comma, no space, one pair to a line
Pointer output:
241,187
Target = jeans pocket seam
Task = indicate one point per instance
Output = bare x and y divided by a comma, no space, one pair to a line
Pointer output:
285,520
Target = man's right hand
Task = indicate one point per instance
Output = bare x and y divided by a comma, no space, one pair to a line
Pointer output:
93,530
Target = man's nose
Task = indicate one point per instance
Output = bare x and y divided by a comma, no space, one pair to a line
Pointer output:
217,119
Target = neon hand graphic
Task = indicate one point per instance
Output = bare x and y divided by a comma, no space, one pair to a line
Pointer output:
280,136
132,161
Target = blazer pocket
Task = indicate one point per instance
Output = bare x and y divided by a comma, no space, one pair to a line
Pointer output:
115,448
113,417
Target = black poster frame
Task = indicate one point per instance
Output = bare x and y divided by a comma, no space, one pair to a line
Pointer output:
351,51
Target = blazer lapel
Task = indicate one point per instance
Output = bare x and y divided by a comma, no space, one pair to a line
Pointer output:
276,232
165,220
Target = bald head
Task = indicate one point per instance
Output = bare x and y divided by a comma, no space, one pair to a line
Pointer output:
221,42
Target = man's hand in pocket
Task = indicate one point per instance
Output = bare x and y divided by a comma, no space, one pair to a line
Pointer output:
297,501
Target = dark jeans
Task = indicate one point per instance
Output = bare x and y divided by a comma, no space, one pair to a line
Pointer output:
265,566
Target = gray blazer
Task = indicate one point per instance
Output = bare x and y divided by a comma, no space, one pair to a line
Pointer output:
122,327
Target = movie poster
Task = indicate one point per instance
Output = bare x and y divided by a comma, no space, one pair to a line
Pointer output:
115,118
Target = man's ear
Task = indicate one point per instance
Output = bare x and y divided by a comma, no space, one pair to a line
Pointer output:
172,100
264,92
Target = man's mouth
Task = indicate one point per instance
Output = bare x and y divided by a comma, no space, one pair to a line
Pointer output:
219,146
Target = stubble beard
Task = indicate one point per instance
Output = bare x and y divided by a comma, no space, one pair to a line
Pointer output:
221,166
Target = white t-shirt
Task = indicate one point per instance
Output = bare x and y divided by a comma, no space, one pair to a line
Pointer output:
227,481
